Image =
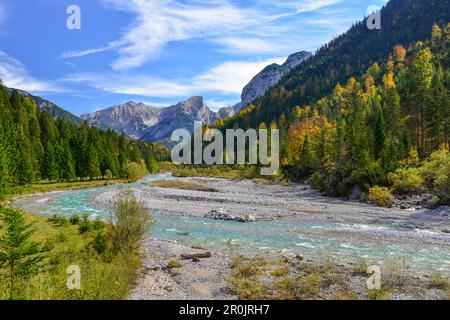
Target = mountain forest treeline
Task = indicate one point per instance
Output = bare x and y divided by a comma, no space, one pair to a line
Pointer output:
375,129
33,146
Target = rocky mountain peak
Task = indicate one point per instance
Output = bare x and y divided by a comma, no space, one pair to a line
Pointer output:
140,121
271,76
295,59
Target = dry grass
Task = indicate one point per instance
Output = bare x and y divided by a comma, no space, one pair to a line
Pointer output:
260,278
439,281
176,184
360,267
174,264
217,171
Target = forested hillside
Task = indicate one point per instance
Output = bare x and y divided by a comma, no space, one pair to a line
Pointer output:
51,108
388,127
349,55
33,147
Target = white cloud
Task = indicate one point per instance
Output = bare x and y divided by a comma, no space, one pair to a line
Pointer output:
216,104
14,74
244,45
231,77
82,53
306,5
158,22
226,78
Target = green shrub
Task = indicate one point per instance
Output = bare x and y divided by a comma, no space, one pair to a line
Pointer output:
134,171
100,243
98,224
436,173
316,181
381,196
75,220
85,225
59,220
407,180
130,225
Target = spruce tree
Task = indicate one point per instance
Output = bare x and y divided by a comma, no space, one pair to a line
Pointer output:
380,133
421,80
152,164
93,167
21,255
64,161
49,167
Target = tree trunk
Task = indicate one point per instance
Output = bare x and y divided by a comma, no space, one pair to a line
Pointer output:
204,255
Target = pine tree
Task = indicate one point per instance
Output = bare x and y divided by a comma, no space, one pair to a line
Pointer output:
65,163
391,105
49,131
5,140
21,255
49,167
93,167
152,164
380,133
35,135
421,80
23,166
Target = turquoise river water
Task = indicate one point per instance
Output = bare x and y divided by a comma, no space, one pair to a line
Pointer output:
287,237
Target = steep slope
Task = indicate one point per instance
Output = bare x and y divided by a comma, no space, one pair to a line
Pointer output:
51,108
403,22
271,76
153,124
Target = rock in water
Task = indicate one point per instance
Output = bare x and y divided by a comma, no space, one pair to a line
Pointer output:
220,214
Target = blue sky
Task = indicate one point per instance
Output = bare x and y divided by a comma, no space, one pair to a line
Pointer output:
158,51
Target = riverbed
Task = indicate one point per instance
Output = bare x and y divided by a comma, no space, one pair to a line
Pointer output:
291,220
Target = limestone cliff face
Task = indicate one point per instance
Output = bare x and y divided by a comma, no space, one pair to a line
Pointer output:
271,76
153,124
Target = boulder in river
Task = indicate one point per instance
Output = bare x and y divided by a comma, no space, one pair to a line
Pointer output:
220,214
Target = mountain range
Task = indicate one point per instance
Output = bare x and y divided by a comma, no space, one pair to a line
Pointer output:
155,124
55,111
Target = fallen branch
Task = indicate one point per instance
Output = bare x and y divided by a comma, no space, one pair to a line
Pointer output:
203,255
